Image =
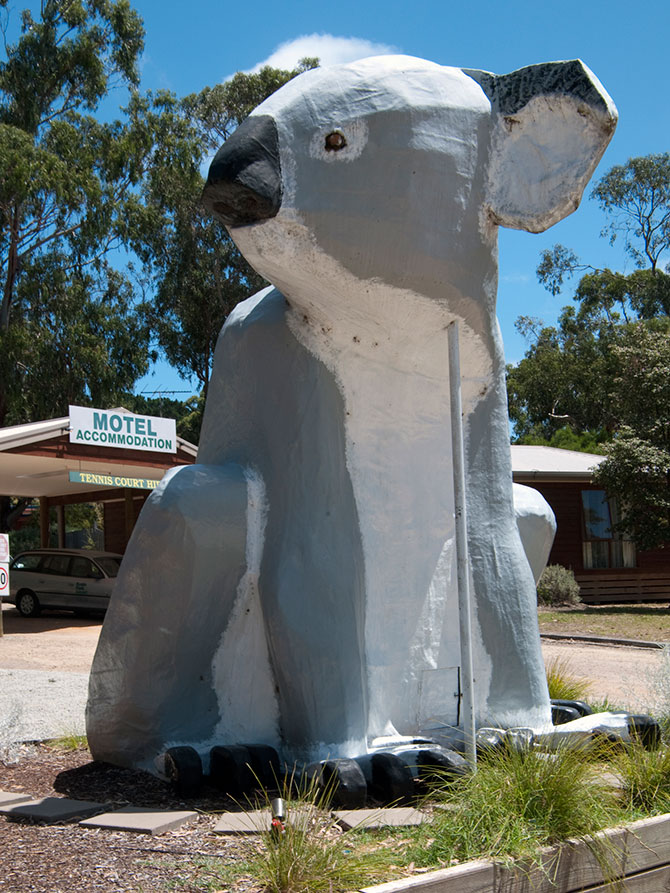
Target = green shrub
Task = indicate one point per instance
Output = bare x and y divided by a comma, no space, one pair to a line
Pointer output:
557,586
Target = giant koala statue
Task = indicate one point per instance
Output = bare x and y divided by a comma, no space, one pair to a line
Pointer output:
297,586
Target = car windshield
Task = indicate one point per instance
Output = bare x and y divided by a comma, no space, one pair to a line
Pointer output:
109,565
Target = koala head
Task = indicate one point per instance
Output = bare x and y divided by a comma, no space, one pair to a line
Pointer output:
393,165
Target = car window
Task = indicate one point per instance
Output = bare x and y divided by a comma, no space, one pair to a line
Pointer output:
56,564
109,565
84,567
26,563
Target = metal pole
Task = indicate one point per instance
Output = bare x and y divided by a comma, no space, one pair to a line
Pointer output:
462,559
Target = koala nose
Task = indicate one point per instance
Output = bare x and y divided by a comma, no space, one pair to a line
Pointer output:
244,181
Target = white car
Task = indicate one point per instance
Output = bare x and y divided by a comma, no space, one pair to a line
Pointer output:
73,579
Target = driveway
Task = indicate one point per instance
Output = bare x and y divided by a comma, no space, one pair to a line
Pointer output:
50,642
637,679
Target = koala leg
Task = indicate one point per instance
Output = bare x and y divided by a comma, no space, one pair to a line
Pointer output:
536,524
153,683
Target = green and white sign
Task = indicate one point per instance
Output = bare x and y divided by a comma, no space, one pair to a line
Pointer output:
112,480
125,430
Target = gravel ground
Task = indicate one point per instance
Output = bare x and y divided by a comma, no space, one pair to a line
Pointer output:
44,666
38,704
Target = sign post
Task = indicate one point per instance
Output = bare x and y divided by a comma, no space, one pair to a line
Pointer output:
4,572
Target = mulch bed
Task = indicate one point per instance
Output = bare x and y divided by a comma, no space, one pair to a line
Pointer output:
68,859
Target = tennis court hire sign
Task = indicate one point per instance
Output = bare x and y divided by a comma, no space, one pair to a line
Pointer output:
121,429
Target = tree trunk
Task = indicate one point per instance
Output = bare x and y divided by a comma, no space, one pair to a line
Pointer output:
12,269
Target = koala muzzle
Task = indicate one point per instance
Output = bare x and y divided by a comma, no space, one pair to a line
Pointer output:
244,181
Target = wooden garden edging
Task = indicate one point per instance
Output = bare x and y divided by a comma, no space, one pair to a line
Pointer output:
637,855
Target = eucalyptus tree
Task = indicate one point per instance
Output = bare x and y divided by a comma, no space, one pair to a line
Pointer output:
567,376
70,330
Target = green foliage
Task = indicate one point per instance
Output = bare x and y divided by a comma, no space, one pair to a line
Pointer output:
566,377
563,379
636,196
645,778
219,110
69,326
189,425
567,439
514,804
557,586
86,517
562,683
73,339
637,466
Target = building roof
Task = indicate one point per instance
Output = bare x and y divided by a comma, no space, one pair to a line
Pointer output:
534,463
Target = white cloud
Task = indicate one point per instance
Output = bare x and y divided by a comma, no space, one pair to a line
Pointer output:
329,49
515,278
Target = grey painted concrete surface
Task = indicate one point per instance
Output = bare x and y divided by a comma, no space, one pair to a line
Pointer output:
395,817
143,821
9,799
53,809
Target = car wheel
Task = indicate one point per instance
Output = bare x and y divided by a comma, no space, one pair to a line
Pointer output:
27,604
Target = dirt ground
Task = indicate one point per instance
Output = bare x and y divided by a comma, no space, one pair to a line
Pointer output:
51,642
630,678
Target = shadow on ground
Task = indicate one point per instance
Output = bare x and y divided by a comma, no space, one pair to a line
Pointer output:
14,624
104,783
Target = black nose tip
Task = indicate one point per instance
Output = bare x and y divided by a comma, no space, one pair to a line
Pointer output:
244,181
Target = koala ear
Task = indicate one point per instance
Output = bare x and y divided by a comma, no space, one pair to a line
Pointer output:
551,125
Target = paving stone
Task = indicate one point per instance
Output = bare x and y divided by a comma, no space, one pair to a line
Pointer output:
52,809
7,798
257,821
144,821
253,822
394,817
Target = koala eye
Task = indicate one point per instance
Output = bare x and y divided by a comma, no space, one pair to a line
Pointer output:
335,141
344,143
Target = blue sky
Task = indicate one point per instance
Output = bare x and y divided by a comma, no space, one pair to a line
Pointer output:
191,45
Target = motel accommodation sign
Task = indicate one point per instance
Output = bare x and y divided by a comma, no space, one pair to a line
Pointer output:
119,428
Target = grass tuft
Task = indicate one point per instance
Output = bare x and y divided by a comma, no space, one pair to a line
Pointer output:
562,682
515,804
69,742
313,854
645,778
